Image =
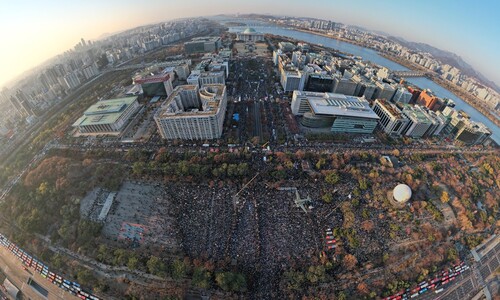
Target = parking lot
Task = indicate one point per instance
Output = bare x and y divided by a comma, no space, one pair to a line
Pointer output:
145,206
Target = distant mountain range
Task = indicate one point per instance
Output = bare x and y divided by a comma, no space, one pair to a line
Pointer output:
449,58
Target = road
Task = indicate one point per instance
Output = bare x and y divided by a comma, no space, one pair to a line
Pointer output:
12,267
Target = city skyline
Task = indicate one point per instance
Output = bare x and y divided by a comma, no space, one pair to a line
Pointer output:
56,26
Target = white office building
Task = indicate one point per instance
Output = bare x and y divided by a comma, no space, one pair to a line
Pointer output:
193,113
391,121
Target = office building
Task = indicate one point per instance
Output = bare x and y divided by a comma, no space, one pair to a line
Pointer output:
364,87
292,80
419,123
429,100
202,44
320,83
391,121
156,80
464,129
108,117
344,86
383,91
193,113
343,114
250,35
402,95
212,78
472,133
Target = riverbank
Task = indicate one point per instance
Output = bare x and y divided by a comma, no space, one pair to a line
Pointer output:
459,92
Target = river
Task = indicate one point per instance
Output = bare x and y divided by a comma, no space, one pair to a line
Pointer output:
373,56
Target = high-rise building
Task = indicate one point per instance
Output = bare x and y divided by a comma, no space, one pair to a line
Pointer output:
320,83
156,80
71,80
90,71
472,133
464,129
419,123
429,100
193,113
391,121
402,95
364,87
383,91
292,80
344,86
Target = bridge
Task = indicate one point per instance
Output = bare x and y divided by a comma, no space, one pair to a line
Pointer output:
410,73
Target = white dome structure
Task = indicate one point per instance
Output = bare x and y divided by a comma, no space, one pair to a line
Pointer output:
401,193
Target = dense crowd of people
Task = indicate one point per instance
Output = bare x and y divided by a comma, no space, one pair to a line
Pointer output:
261,234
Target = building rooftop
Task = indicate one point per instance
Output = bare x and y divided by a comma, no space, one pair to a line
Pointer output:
416,113
391,108
105,112
155,73
203,39
249,31
338,105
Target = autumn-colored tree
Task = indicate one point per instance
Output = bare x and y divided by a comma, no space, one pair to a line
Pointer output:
445,198
349,261
363,288
367,225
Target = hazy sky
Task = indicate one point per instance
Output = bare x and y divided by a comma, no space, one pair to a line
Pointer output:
34,31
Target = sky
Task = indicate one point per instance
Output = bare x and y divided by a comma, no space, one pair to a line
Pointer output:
34,31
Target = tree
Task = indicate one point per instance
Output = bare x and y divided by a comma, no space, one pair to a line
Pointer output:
315,274
363,288
332,177
327,197
132,263
85,277
138,168
363,185
229,281
120,257
349,261
179,269
451,254
201,278
155,265
445,198
294,280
